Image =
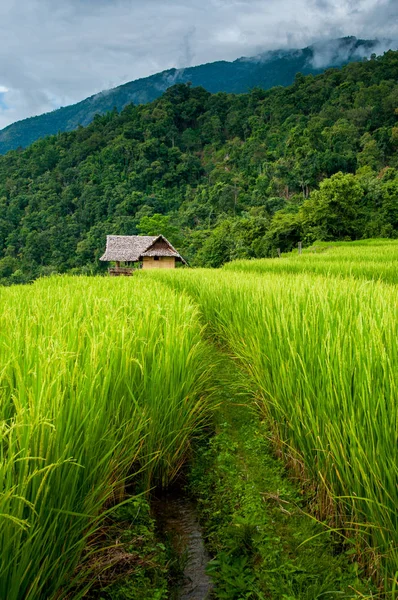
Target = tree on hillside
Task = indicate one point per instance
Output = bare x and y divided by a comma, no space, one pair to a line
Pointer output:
334,211
160,225
317,160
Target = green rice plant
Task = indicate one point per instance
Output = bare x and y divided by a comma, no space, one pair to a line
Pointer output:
100,379
365,259
324,355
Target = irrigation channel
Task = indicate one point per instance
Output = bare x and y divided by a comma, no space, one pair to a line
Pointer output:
177,520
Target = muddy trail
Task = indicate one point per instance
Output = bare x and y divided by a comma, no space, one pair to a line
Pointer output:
177,521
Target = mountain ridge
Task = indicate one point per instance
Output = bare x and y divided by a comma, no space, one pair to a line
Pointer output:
222,176
266,70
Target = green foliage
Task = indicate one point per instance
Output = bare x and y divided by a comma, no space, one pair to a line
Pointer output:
321,352
159,224
263,543
100,387
273,68
225,176
143,575
374,259
103,387
333,212
232,238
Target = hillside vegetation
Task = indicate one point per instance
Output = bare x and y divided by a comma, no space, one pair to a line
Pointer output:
277,67
222,176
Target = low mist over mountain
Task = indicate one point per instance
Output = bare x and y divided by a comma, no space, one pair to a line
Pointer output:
264,71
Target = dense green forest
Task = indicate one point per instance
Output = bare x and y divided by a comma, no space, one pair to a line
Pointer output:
222,176
277,67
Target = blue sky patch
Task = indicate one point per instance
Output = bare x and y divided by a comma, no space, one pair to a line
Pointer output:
3,104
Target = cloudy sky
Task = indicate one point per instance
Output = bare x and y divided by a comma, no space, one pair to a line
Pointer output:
56,52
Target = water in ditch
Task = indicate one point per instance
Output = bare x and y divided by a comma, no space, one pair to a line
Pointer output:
177,519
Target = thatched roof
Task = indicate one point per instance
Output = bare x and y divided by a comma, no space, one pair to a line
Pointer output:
132,248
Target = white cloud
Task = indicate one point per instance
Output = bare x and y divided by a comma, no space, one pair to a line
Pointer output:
54,53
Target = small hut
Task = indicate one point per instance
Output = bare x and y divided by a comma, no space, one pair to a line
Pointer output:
150,252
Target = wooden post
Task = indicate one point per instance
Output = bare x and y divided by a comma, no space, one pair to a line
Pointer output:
279,252
300,247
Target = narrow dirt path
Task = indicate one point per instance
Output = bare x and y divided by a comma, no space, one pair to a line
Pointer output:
255,521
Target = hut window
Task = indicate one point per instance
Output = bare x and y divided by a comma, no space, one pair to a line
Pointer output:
156,258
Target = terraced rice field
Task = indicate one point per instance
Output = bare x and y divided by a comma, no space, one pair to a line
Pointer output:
106,380
374,259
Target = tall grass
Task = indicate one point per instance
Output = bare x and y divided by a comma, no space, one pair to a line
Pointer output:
375,260
99,379
324,355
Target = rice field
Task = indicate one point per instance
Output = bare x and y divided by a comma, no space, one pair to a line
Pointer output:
374,260
106,381
324,357
100,382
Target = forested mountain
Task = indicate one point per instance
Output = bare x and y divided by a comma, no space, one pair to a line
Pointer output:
222,176
265,71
